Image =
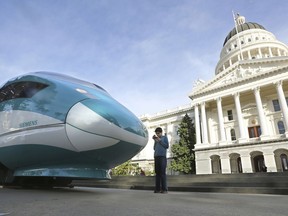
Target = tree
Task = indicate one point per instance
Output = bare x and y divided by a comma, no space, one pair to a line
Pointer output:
183,154
126,169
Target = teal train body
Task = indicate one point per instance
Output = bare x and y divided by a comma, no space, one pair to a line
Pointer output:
55,127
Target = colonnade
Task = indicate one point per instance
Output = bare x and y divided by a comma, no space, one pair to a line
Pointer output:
229,164
202,131
249,55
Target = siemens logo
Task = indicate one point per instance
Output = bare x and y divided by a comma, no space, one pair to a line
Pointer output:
28,124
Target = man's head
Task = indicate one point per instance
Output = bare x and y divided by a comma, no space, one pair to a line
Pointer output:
158,131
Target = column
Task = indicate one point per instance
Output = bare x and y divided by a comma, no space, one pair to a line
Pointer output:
261,114
249,55
197,124
169,131
260,53
221,120
270,52
283,105
242,137
204,124
278,51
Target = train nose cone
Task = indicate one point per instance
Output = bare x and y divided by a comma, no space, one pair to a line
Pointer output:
96,124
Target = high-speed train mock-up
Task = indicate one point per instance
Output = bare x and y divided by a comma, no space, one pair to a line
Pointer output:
55,128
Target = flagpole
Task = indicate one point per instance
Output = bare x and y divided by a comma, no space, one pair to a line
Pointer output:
235,23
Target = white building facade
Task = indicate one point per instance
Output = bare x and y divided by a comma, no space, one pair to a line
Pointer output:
241,116
169,121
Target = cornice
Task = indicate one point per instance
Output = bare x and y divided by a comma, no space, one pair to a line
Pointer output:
167,113
233,146
203,92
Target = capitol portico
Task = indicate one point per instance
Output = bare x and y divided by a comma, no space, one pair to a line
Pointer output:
241,115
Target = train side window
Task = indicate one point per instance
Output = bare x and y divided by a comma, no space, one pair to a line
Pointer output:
20,90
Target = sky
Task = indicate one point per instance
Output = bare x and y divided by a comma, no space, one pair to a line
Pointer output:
146,53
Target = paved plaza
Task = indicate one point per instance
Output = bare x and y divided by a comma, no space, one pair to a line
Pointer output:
122,202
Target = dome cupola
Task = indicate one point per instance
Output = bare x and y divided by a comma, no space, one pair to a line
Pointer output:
248,41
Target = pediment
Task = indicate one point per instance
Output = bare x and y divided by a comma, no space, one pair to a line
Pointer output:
232,77
248,107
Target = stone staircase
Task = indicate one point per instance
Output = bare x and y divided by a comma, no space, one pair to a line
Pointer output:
262,183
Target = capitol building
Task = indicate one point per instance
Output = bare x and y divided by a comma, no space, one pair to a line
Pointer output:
241,115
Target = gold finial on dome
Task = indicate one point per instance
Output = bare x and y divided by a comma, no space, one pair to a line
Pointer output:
240,19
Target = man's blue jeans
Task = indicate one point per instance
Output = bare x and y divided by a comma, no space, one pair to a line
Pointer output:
160,163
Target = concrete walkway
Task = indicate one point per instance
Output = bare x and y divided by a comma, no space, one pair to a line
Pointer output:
124,202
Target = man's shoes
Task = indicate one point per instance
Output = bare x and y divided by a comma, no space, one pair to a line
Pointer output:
163,192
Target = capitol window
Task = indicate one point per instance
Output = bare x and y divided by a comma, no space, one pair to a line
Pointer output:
276,105
281,127
230,115
254,131
233,134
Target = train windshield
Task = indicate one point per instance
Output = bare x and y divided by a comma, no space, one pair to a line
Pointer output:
20,90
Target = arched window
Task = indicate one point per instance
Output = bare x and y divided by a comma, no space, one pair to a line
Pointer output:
284,162
281,127
233,135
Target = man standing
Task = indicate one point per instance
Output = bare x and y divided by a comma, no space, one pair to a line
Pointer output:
161,145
